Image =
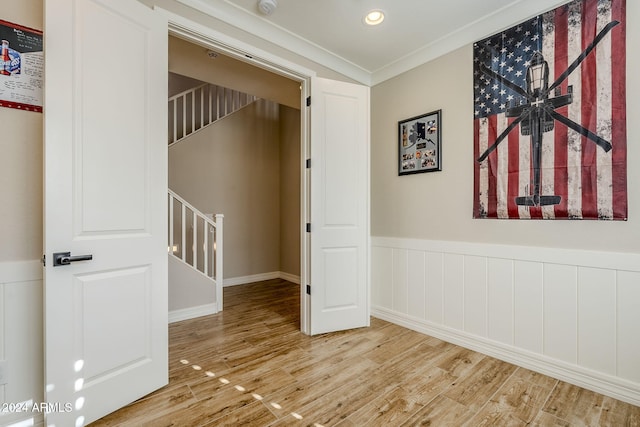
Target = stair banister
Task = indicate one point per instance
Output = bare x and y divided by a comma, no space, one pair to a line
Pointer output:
215,272
214,103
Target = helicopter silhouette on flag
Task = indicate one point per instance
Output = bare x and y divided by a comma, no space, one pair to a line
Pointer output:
538,114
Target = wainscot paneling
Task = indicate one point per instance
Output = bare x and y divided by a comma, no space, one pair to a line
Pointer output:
21,340
628,321
571,314
500,300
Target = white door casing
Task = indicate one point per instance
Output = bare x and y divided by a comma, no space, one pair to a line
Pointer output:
105,195
336,308
339,206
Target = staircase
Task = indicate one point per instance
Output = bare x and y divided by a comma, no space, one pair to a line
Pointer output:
196,241
194,109
195,238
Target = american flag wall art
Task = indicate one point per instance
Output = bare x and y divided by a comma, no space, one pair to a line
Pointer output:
550,136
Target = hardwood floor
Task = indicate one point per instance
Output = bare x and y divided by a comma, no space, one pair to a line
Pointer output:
251,366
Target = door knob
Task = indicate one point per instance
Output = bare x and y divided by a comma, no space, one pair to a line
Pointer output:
65,258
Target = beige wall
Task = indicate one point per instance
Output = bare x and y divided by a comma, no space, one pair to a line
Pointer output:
21,161
552,296
179,83
426,206
21,320
191,60
290,190
438,206
234,167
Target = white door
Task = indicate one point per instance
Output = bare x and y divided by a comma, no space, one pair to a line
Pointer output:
339,206
105,196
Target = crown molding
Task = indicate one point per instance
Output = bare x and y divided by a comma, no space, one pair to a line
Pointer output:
499,20
505,17
279,36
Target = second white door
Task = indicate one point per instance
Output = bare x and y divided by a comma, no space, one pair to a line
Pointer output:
339,206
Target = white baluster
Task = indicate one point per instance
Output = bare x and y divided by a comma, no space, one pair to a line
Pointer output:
219,259
195,241
184,233
175,121
209,103
193,111
171,224
220,98
219,101
201,108
184,116
212,248
205,247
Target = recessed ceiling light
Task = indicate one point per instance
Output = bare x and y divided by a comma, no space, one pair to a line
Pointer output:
374,17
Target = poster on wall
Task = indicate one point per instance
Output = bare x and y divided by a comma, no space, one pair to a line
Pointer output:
550,133
21,67
420,144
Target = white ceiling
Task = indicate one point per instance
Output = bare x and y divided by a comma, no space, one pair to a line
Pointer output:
332,32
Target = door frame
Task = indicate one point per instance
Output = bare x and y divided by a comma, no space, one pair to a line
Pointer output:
193,32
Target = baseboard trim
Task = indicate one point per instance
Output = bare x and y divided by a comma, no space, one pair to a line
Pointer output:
207,309
289,277
192,312
588,379
243,280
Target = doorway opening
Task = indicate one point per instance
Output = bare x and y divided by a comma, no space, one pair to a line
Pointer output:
250,166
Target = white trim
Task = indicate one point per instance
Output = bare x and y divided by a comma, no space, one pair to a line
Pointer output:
243,280
280,37
197,33
206,36
192,312
579,257
305,215
207,309
498,20
516,11
20,271
28,276
289,277
586,378
531,315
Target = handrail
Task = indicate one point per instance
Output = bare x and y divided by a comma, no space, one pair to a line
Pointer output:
212,249
196,108
181,94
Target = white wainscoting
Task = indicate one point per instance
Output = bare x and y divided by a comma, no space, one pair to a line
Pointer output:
570,314
21,339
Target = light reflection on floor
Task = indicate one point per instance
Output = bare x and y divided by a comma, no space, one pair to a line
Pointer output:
241,389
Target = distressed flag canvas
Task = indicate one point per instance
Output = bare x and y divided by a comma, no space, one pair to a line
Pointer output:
550,136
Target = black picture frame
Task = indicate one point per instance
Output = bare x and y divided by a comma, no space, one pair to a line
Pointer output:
420,144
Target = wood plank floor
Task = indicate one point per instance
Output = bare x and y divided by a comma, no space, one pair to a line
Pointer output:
250,366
